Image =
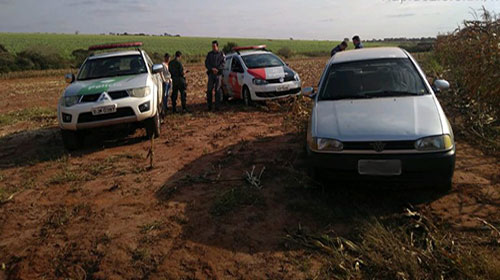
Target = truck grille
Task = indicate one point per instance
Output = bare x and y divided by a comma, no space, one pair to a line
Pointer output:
113,94
120,113
387,145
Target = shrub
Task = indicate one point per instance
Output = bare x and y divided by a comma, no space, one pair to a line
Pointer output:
43,58
3,49
285,52
228,48
79,56
471,59
7,62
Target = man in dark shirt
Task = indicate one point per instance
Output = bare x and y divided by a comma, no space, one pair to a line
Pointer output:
339,48
357,42
214,63
178,82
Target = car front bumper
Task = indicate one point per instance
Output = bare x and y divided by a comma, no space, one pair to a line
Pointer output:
275,91
427,167
127,111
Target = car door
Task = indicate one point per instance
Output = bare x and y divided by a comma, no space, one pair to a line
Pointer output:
236,77
225,76
157,80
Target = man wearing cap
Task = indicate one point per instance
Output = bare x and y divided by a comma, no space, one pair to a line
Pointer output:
339,48
214,63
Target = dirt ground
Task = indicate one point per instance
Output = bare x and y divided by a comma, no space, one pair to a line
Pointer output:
101,213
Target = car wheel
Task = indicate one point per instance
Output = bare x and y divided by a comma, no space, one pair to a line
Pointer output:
153,126
247,99
72,140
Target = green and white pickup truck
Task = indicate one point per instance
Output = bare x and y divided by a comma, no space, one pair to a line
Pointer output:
111,88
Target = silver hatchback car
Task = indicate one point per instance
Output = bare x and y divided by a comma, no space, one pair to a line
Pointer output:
375,116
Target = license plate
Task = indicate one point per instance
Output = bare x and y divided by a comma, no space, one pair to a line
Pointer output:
390,167
282,88
104,110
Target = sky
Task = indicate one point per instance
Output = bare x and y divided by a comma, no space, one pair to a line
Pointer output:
308,19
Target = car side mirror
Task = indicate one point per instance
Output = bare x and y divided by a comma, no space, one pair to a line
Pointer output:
69,78
441,85
309,92
157,68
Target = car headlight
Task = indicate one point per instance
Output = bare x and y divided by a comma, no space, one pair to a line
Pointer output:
434,143
68,101
326,144
139,92
259,82
297,77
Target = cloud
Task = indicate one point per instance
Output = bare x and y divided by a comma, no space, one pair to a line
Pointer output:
401,15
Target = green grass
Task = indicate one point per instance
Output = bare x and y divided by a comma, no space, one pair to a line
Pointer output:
191,46
36,114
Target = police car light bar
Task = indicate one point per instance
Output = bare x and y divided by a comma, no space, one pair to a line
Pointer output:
115,46
260,47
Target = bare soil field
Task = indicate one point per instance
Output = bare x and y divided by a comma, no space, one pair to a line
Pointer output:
102,213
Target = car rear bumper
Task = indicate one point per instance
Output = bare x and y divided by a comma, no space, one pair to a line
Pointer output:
127,111
414,167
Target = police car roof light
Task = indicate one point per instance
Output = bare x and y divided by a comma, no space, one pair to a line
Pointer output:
115,46
260,47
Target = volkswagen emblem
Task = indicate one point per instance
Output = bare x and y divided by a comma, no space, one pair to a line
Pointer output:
378,146
282,80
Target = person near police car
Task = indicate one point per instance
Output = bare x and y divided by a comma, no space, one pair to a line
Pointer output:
214,63
178,82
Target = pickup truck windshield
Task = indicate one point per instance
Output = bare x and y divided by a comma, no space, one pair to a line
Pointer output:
112,66
372,79
264,60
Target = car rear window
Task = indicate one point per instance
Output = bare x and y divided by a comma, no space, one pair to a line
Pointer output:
264,60
372,78
112,66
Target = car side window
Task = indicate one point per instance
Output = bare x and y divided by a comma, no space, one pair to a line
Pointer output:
236,66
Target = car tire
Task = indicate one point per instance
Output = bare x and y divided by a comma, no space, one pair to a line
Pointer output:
72,140
247,98
153,126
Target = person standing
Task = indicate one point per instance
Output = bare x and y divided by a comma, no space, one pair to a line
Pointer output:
357,42
339,48
214,62
178,82
167,82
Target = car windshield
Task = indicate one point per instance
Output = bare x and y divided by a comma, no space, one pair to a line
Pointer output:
262,60
112,66
372,78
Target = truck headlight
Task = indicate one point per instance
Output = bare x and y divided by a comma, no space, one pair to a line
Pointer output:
326,144
139,92
68,101
259,82
434,143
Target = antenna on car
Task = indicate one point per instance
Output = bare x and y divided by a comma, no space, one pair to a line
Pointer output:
259,47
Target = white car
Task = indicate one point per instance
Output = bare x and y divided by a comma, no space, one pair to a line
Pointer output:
254,74
111,88
376,117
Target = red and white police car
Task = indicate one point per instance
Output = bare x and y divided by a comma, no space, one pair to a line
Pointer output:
255,74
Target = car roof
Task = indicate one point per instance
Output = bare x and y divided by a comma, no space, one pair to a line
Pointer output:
112,54
367,54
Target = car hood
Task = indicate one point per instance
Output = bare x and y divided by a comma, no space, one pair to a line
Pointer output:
271,72
378,119
106,84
